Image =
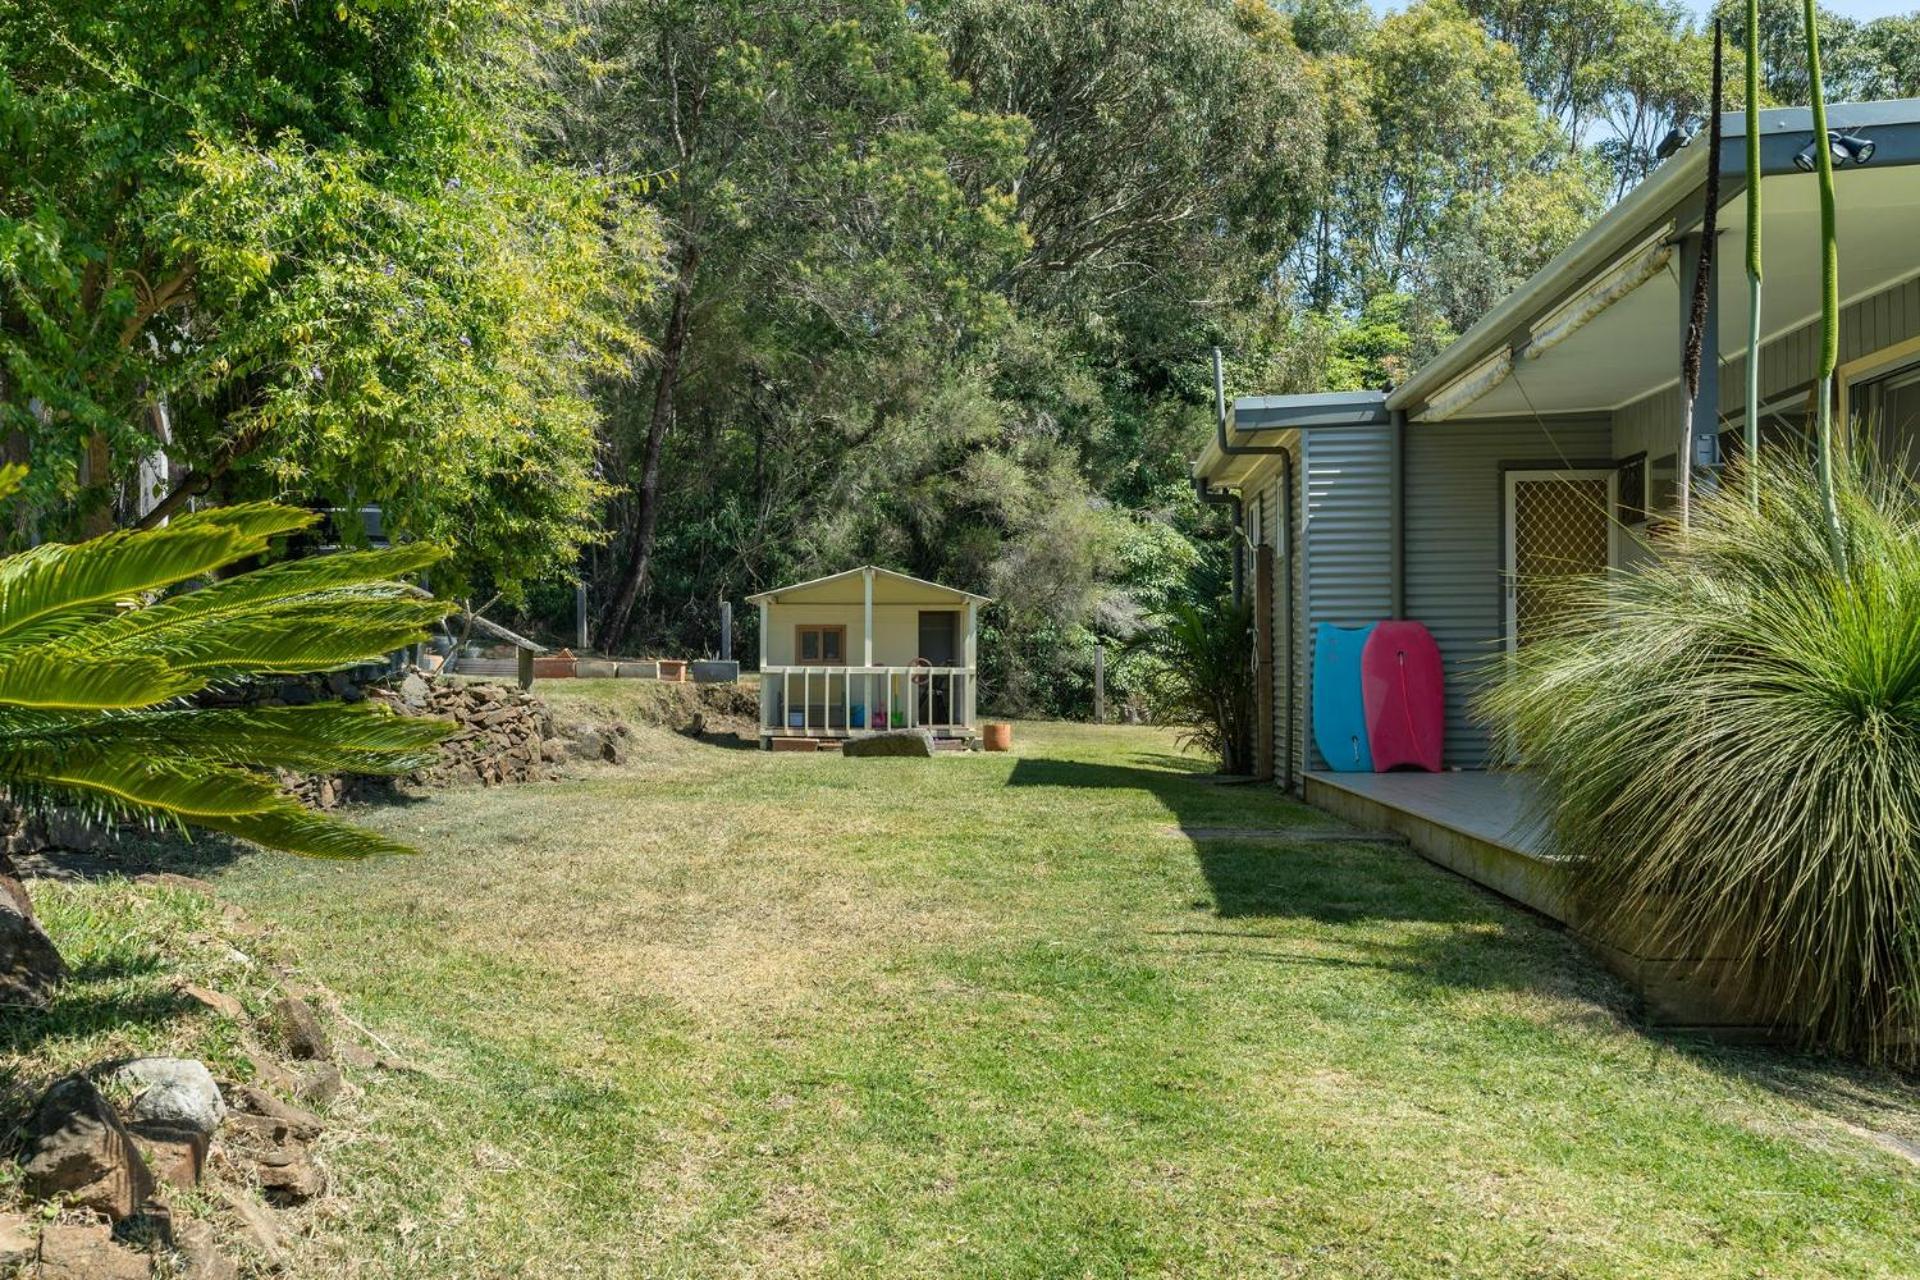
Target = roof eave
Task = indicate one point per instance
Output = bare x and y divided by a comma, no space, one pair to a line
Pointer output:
1895,126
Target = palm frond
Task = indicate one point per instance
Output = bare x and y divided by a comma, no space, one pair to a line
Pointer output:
59,677
292,829
53,588
363,738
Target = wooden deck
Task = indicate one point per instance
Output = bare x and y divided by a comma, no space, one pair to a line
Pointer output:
1488,827
1481,825
1500,808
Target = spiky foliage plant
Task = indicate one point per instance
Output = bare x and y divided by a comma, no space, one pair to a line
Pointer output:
1203,645
102,642
1733,753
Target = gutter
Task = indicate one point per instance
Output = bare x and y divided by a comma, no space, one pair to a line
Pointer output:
1219,497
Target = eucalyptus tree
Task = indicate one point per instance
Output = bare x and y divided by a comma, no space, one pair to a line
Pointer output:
1446,181
825,187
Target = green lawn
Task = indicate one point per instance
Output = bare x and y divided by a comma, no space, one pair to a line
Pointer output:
718,1013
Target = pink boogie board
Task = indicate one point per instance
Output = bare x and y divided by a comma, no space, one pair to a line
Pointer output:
1403,693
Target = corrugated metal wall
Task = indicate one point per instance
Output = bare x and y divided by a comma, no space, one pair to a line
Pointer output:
1788,363
1347,539
1455,542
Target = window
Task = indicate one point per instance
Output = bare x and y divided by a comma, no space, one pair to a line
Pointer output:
1886,417
821,646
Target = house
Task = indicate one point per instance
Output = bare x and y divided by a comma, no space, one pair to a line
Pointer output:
1546,439
865,650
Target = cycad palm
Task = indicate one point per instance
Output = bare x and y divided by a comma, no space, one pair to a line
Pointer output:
100,645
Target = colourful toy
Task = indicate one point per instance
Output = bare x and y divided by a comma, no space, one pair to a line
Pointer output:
1339,716
1403,694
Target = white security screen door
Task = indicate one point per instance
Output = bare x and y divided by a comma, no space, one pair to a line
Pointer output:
1559,526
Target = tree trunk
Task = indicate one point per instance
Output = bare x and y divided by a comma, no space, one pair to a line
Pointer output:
673,347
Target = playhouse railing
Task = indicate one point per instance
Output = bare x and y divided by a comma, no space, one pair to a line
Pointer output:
848,701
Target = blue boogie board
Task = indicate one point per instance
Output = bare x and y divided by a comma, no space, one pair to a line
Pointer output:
1339,710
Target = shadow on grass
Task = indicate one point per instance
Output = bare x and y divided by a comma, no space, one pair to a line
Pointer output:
84,1008
1482,943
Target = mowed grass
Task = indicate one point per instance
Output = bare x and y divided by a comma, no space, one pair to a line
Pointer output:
720,1013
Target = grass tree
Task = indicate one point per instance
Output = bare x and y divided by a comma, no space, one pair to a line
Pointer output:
1753,247
1735,760
103,642
1700,309
1829,292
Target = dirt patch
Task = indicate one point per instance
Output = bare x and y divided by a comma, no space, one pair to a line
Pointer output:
721,713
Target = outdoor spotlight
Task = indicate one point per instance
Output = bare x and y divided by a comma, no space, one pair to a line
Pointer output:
1675,139
1844,147
1857,149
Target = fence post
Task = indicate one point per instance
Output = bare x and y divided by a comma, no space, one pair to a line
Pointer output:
1099,683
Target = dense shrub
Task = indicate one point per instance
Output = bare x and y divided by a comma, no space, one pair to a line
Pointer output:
1735,754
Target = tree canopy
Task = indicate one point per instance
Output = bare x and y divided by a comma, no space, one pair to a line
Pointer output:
690,297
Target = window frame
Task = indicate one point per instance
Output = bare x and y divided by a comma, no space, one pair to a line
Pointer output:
823,629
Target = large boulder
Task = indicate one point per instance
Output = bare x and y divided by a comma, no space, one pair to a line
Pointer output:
78,1150
30,965
917,743
178,1093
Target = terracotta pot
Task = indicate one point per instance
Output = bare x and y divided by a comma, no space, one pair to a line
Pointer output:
997,737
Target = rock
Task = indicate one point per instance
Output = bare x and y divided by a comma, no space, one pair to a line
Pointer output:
258,1227
288,1175
268,1071
320,1085
80,1151
415,691
350,1054
258,1102
173,1092
897,742
218,1001
583,742
176,1154
30,965
88,1252
301,1028
18,1240
200,1257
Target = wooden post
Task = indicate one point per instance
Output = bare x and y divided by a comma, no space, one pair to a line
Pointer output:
866,659
971,656
1099,684
1263,661
526,666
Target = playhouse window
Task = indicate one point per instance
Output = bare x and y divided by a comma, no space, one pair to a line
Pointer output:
824,645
